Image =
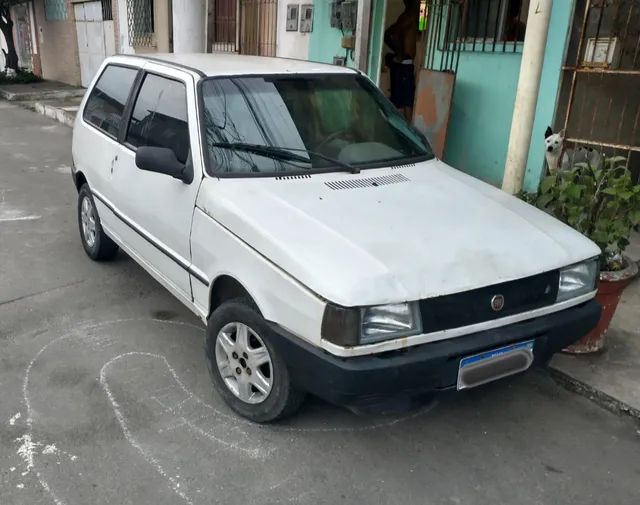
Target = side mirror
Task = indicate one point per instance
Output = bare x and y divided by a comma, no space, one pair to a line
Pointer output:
162,160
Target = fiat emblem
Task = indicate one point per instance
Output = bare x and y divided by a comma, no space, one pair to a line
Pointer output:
497,302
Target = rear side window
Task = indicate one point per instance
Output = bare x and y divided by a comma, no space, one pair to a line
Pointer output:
105,105
159,116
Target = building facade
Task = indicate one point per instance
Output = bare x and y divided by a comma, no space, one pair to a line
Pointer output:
467,61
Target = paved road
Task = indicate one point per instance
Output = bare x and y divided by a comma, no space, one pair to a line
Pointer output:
105,398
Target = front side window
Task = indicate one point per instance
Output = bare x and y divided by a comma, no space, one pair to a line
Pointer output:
108,98
159,116
325,121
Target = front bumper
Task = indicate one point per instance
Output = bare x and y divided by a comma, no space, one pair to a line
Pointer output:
428,367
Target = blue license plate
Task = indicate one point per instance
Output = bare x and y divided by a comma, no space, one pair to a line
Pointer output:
494,364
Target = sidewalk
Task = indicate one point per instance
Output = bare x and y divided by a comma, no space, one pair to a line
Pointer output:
53,99
613,377
45,90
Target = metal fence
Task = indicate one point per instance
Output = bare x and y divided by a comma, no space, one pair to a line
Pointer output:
599,101
140,22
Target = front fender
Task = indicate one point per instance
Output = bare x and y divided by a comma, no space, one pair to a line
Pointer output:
216,251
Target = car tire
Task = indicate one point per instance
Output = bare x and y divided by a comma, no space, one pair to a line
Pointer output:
241,368
96,243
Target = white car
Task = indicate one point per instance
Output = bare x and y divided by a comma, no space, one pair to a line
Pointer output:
310,227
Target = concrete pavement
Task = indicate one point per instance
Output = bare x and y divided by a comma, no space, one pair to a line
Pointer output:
105,397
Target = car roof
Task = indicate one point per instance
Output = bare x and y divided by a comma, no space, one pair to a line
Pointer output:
216,64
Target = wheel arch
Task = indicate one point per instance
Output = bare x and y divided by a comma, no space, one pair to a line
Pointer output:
226,287
79,180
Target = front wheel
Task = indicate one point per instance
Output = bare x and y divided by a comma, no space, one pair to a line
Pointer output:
245,367
96,243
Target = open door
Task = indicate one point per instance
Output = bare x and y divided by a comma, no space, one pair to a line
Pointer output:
436,81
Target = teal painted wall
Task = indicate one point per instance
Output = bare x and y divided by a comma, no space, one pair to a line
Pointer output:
482,110
480,119
549,89
325,42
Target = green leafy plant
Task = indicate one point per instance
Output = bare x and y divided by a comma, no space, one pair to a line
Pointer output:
601,202
20,77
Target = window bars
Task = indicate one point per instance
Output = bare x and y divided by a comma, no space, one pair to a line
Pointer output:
483,25
107,10
141,23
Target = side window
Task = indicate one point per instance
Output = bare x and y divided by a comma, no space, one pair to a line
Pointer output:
108,98
159,116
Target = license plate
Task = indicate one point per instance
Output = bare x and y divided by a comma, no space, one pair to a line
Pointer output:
494,364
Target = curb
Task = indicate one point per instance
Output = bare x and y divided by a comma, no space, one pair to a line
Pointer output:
40,95
66,117
595,395
63,115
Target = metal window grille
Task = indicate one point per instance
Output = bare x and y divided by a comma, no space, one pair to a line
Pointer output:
444,22
490,25
140,22
55,10
107,10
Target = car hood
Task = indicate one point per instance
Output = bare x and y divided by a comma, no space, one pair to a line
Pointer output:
392,234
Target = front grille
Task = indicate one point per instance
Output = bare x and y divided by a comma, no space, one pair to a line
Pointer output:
471,307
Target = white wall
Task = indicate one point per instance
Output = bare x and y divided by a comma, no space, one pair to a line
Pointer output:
292,44
123,26
189,21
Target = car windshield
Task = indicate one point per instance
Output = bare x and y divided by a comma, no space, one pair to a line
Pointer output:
330,121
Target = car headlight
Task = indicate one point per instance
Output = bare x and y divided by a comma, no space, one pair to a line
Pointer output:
382,322
353,326
578,279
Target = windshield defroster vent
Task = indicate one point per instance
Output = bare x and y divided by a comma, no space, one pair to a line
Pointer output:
368,182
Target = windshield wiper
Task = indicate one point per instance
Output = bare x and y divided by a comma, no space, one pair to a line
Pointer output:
282,153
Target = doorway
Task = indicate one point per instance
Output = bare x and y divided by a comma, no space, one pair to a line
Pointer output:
96,36
427,100
403,51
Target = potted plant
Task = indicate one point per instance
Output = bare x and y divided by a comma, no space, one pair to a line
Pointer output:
603,203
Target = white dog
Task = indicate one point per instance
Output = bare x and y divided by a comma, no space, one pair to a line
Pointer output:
559,158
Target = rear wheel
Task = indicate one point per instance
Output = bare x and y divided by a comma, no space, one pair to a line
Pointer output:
96,244
246,369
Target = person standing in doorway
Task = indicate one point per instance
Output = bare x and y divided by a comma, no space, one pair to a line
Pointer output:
402,37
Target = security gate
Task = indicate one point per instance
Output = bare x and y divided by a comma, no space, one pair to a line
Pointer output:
244,26
599,102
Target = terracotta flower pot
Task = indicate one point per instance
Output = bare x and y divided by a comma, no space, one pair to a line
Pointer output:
610,290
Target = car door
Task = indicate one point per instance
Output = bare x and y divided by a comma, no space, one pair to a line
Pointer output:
95,135
156,210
